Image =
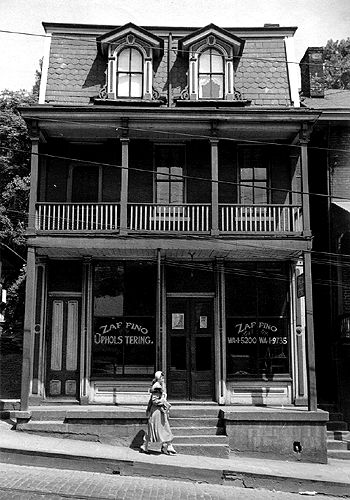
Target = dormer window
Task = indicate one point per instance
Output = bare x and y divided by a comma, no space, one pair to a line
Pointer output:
129,80
213,56
211,75
131,51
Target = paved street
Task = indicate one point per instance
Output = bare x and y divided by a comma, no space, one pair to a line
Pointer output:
38,483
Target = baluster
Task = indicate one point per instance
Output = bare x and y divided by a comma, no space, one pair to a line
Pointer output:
41,221
133,217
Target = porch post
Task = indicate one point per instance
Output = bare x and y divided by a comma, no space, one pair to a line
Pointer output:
37,391
298,329
214,187
28,333
34,136
310,341
86,330
124,186
220,333
305,183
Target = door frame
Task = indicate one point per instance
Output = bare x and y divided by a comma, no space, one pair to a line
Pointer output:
52,296
165,337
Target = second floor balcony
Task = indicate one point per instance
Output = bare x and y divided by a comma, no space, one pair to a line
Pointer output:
158,219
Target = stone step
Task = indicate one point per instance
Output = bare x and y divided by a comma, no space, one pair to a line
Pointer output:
336,417
194,422
338,435
203,431
339,454
197,439
337,426
334,444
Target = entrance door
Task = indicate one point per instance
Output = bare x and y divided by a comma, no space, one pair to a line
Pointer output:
62,379
190,349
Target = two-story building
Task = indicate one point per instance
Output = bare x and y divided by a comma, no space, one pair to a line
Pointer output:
329,174
169,223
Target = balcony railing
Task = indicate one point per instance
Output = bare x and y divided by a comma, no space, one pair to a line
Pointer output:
186,218
260,218
77,216
172,218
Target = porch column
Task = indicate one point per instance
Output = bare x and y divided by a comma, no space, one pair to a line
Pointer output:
310,341
220,333
214,187
303,142
37,391
34,137
86,330
28,333
298,328
124,186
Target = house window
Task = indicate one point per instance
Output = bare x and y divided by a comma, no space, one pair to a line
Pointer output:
129,73
253,173
211,75
169,174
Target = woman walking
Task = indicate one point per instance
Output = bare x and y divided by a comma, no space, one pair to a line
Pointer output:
158,429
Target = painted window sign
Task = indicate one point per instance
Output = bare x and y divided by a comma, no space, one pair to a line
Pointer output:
177,321
203,322
257,332
123,346
257,346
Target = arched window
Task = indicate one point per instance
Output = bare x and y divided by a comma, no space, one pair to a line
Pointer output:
211,74
129,73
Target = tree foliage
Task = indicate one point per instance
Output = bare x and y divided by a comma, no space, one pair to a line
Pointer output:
15,149
337,64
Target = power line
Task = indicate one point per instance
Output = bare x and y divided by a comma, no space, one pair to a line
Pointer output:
243,57
181,176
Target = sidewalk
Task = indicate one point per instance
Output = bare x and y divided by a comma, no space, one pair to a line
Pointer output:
307,478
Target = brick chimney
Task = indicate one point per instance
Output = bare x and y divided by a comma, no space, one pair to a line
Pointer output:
312,76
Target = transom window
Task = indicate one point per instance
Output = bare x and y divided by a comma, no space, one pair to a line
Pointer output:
129,73
211,75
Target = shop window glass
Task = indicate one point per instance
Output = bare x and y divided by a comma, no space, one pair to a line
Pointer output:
257,320
124,320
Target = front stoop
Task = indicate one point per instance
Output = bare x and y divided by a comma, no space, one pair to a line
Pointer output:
338,435
197,431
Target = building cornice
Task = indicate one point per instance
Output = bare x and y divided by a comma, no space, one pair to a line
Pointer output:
177,31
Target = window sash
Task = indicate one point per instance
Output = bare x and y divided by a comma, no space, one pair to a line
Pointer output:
129,81
211,75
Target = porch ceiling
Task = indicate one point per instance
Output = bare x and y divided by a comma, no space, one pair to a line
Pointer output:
106,122
245,249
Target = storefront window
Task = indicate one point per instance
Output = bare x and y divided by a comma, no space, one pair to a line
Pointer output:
124,340
257,319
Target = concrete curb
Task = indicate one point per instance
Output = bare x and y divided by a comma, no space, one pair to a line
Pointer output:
155,466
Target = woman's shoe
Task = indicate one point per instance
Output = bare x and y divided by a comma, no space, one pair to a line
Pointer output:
171,450
164,450
144,450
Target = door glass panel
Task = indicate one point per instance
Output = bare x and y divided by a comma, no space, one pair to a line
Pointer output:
178,353
203,353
